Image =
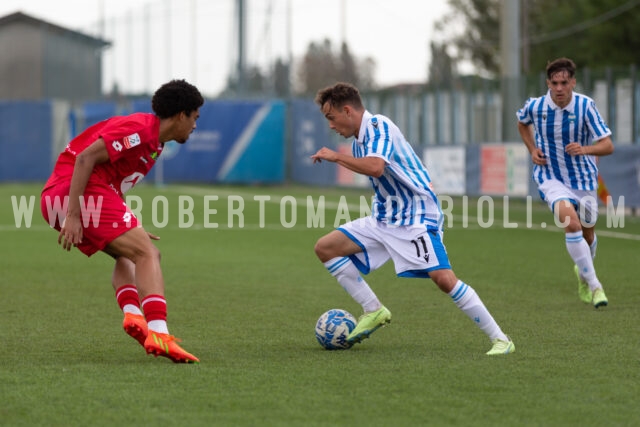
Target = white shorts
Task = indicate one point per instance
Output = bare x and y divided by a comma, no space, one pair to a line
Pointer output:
415,249
585,202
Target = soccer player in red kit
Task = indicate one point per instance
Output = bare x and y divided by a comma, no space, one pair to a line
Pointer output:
83,200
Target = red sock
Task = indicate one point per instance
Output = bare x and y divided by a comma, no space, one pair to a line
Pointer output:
127,295
155,307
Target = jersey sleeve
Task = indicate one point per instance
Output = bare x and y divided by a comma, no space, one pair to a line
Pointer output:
596,125
380,141
524,114
121,136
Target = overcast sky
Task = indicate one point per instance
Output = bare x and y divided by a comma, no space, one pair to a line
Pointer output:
200,43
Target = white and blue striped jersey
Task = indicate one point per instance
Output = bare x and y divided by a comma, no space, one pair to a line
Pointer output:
555,128
403,194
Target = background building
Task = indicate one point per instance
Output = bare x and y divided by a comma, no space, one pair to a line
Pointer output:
40,60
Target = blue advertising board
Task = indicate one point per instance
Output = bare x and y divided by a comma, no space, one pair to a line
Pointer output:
234,142
26,140
310,132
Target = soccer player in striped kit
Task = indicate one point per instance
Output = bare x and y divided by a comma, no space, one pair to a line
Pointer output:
406,224
564,133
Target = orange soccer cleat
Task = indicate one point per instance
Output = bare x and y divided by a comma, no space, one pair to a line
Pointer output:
136,326
166,345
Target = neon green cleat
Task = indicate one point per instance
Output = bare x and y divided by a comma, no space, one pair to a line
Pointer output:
599,298
501,347
583,288
368,323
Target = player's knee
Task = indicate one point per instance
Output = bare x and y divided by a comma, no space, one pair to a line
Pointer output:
155,253
318,248
322,250
573,226
445,280
145,251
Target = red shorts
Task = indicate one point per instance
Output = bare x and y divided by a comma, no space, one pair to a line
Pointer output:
105,215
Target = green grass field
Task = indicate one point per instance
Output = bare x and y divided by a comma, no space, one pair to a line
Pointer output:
245,299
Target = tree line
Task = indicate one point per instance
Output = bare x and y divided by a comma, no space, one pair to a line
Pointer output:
594,33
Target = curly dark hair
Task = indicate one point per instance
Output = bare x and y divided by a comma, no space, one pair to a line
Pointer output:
561,64
338,95
175,97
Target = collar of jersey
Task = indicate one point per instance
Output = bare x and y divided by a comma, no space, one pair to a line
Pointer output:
553,106
366,117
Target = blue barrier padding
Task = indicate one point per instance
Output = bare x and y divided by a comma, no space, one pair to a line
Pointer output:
94,112
263,157
310,133
141,105
235,141
25,140
621,174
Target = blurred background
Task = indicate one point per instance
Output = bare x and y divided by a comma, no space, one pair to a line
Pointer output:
450,73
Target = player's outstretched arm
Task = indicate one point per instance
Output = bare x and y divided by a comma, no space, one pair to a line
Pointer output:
370,166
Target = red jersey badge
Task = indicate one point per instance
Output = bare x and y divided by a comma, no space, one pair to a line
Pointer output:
131,140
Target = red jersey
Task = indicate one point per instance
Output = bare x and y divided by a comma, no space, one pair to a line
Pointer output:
133,147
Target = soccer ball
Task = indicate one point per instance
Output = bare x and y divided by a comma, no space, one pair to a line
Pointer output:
333,327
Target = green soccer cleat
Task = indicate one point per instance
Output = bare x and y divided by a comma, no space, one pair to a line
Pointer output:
368,323
599,298
583,288
501,347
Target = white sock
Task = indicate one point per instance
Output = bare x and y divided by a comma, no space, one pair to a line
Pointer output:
581,254
130,308
159,326
347,274
469,302
594,246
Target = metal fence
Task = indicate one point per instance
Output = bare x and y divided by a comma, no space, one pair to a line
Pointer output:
470,111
